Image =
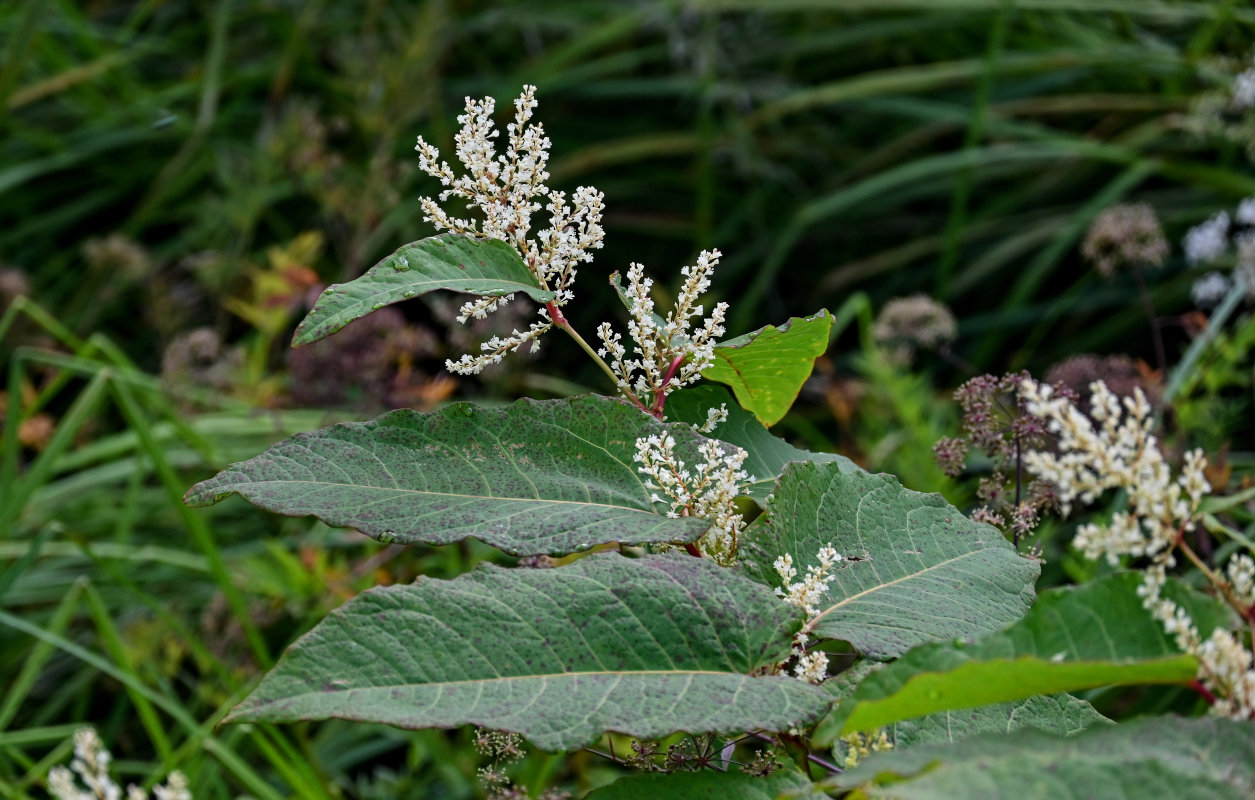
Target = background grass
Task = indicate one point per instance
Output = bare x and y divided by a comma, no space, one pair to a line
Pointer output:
239,153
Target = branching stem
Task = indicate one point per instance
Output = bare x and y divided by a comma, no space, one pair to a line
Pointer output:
555,314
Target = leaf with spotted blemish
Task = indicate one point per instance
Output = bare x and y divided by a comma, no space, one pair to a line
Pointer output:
537,477
644,647
452,262
917,570
767,367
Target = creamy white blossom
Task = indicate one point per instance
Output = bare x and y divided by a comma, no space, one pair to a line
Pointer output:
505,189
667,353
1224,665
1208,290
1207,241
714,417
1243,95
708,490
806,594
1117,451
91,763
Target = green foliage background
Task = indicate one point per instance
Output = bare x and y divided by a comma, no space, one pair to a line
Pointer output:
832,150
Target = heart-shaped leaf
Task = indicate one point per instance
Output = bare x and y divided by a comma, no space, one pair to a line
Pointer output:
644,647
453,262
768,453
766,368
550,477
917,570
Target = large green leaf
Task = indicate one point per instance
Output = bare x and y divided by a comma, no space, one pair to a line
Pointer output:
1184,759
535,477
1074,638
710,785
451,261
1062,714
924,572
644,647
766,368
767,453
945,679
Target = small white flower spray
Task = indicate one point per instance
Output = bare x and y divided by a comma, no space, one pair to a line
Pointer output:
91,764
1116,450
708,491
667,353
806,594
507,189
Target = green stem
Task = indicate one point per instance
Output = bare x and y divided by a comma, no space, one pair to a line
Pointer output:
1217,581
555,314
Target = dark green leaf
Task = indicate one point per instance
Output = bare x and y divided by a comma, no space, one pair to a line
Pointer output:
767,453
453,262
766,368
924,572
1074,638
1183,759
708,785
644,647
535,477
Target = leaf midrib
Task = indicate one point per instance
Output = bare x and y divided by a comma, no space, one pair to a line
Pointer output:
878,587
653,512
547,676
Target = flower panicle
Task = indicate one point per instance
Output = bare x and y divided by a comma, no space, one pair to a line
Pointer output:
708,490
506,189
808,665
1113,448
670,352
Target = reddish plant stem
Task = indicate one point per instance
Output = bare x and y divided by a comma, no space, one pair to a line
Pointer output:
1204,691
814,759
660,397
693,550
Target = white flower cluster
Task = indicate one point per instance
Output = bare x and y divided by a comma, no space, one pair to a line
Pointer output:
1224,664
667,353
1207,241
709,491
1243,94
714,418
1115,450
1209,290
91,762
806,594
1121,453
504,188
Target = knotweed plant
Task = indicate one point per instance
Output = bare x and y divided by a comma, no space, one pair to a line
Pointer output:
1113,448
690,610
